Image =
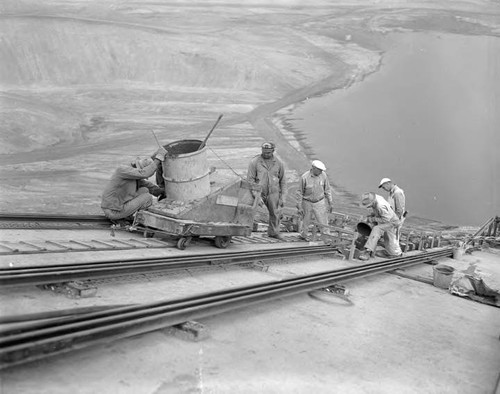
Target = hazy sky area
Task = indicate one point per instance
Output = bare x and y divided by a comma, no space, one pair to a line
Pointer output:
428,118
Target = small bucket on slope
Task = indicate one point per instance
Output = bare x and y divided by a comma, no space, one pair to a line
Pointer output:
443,274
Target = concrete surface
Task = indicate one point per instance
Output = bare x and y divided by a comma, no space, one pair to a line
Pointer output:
392,335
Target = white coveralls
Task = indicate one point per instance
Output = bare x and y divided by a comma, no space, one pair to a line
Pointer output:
388,223
313,194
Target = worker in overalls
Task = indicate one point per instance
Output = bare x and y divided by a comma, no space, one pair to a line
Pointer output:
386,223
129,190
268,171
396,200
314,197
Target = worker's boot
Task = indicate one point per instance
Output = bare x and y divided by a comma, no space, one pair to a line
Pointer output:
304,237
365,255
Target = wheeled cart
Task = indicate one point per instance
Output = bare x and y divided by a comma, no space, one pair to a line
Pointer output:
186,230
226,212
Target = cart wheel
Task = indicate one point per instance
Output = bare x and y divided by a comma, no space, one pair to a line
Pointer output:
183,243
222,242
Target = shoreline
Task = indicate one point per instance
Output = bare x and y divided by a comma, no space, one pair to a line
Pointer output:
298,139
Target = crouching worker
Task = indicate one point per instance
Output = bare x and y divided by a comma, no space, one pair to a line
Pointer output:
387,223
129,190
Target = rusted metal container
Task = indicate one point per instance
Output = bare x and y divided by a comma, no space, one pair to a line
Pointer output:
186,171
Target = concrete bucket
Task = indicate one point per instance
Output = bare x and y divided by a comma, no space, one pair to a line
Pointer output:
186,171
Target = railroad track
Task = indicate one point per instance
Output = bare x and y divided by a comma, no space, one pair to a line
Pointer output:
35,341
48,274
50,221
33,247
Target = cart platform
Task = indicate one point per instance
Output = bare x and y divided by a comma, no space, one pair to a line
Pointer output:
227,211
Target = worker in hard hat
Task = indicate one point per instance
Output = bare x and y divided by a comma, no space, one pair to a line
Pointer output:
386,223
129,190
268,171
396,200
314,196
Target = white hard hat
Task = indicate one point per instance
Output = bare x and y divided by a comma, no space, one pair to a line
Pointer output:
384,180
319,165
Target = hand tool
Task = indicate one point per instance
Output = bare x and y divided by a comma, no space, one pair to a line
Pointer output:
210,132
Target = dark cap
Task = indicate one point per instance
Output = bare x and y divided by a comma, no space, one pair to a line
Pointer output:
268,146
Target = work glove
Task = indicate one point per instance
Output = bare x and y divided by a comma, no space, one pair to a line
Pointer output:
300,211
161,153
330,209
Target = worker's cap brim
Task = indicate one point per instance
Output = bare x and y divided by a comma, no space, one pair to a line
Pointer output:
267,147
383,182
141,163
367,199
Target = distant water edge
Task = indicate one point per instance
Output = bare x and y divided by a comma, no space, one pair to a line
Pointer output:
428,119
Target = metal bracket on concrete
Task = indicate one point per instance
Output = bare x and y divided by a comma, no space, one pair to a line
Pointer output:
76,289
189,331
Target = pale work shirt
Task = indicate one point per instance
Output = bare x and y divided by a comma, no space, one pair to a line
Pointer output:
384,212
396,200
314,188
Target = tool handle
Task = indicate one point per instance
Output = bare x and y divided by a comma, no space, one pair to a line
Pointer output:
156,138
210,132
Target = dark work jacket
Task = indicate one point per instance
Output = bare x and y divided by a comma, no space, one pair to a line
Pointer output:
125,183
270,174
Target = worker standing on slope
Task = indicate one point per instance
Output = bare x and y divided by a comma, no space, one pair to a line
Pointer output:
268,171
387,223
128,189
313,195
396,200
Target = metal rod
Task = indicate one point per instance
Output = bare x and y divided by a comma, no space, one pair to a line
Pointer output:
59,273
210,132
101,327
156,138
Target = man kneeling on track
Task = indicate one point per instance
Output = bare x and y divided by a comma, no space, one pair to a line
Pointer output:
129,190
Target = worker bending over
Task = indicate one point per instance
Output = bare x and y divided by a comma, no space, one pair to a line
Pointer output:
129,190
313,195
269,171
387,223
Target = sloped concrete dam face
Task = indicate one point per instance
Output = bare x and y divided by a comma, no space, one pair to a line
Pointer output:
68,79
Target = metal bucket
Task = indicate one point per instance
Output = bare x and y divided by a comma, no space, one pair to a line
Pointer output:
443,274
185,171
364,229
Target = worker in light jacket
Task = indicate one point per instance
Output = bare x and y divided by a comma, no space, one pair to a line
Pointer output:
129,190
396,200
268,171
386,223
314,196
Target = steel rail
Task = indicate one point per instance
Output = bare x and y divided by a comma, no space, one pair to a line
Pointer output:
51,221
15,276
19,346
43,217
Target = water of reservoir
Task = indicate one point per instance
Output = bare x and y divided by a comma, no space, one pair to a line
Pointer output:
429,119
